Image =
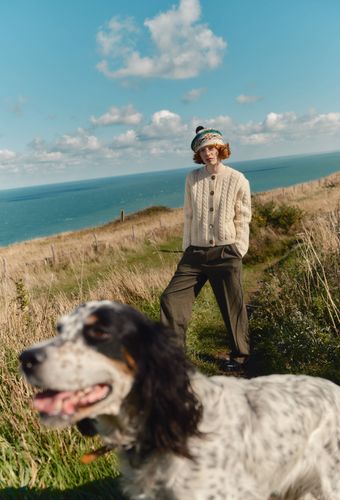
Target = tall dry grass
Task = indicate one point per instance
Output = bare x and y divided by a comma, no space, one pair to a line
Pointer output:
35,255
319,195
130,270
320,250
43,279
77,258
296,325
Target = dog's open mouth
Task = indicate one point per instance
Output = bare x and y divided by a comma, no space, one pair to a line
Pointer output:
67,403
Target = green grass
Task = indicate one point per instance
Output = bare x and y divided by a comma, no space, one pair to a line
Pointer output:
295,328
30,453
50,460
39,463
206,336
101,489
75,280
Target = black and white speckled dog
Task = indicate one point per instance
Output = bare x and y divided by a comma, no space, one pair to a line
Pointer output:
180,434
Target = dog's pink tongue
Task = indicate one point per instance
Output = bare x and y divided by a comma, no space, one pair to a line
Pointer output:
67,402
50,402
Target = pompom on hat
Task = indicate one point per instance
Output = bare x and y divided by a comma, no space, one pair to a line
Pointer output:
206,137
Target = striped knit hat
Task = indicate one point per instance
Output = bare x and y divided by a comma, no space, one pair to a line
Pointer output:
206,137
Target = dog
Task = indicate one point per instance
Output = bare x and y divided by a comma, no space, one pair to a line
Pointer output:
181,435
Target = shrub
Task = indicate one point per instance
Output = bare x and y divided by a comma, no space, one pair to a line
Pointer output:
281,217
295,325
271,231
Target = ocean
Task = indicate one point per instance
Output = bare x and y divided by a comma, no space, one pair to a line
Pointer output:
27,213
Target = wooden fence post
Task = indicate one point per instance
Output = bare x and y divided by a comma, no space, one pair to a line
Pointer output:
95,244
4,268
122,216
53,255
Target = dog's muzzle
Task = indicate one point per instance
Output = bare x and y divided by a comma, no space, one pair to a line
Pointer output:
59,402
31,359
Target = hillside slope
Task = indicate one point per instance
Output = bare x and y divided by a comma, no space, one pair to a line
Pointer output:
132,262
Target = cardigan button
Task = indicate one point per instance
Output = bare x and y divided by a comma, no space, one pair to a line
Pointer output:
212,192
211,226
213,177
211,209
211,242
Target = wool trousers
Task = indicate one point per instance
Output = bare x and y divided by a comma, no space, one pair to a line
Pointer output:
222,267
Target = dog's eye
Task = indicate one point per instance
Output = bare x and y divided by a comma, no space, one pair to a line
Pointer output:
59,328
96,334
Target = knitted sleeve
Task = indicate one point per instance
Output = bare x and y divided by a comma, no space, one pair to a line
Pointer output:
242,217
187,214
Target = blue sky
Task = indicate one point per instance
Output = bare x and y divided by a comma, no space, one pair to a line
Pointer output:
99,88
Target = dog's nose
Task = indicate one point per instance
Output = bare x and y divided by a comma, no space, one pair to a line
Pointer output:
31,358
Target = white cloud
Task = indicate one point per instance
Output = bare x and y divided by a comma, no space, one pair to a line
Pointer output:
70,149
329,122
80,141
193,94
126,139
7,155
275,128
182,47
223,122
46,156
164,142
118,116
37,144
117,38
164,125
279,121
288,126
167,134
256,138
247,99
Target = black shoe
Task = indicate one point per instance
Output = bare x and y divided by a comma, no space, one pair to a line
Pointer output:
230,365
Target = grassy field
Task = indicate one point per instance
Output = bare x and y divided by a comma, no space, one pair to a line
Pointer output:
130,262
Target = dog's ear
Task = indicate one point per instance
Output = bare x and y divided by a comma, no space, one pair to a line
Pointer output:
163,389
87,427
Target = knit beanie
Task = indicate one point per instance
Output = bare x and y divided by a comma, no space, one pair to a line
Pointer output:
206,137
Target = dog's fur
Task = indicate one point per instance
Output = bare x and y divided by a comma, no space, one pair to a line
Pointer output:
180,434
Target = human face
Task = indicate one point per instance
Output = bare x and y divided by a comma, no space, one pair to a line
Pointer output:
209,155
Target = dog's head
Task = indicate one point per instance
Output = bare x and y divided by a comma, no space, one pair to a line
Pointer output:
87,369
104,352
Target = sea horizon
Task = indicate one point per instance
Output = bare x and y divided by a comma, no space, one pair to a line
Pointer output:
47,209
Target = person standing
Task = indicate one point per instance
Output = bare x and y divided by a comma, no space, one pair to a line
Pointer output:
217,213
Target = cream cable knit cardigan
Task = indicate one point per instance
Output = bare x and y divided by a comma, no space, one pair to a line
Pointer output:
217,209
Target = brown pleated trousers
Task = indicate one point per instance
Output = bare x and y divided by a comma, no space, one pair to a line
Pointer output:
221,266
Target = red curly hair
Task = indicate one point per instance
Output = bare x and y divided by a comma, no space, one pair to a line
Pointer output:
223,153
